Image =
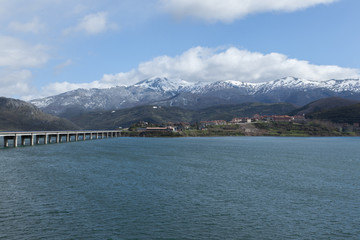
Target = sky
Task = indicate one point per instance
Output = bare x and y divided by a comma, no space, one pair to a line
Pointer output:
52,46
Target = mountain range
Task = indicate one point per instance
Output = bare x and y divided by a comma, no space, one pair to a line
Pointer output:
170,93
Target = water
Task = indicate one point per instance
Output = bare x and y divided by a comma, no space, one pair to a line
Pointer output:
182,188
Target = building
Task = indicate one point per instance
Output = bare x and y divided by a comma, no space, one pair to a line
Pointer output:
267,118
241,120
282,118
213,123
179,126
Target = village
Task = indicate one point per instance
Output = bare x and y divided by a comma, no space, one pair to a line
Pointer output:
144,126
255,118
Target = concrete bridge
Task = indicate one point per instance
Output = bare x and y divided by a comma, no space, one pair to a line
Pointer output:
15,139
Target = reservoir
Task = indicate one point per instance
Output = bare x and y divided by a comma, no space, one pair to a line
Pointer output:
182,188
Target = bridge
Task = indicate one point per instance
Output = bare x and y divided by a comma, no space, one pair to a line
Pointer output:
16,139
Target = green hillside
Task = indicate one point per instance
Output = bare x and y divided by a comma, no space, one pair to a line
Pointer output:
126,117
323,104
158,115
348,114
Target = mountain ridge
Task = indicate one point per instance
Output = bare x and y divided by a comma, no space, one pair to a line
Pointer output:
179,93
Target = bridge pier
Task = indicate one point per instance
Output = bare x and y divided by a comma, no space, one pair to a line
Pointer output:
23,139
52,136
41,136
14,138
6,141
61,136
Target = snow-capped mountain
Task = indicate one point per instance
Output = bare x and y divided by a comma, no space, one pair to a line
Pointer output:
163,84
80,100
352,85
167,92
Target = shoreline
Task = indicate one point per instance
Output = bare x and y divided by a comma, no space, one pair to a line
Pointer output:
271,129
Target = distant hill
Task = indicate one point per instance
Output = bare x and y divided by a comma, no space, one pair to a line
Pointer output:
17,115
158,115
349,114
324,104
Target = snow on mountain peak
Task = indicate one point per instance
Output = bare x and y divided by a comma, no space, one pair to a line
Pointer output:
163,84
346,85
352,85
293,82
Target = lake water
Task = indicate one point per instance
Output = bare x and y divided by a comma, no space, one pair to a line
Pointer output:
182,188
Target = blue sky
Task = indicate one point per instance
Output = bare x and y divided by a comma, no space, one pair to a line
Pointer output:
52,46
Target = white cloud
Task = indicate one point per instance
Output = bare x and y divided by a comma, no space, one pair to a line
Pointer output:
17,53
60,87
209,65
93,24
230,10
34,26
15,83
15,57
108,81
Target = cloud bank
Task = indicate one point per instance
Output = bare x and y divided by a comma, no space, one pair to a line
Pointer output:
230,10
16,53
34,26
15,81
16,56
202,64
